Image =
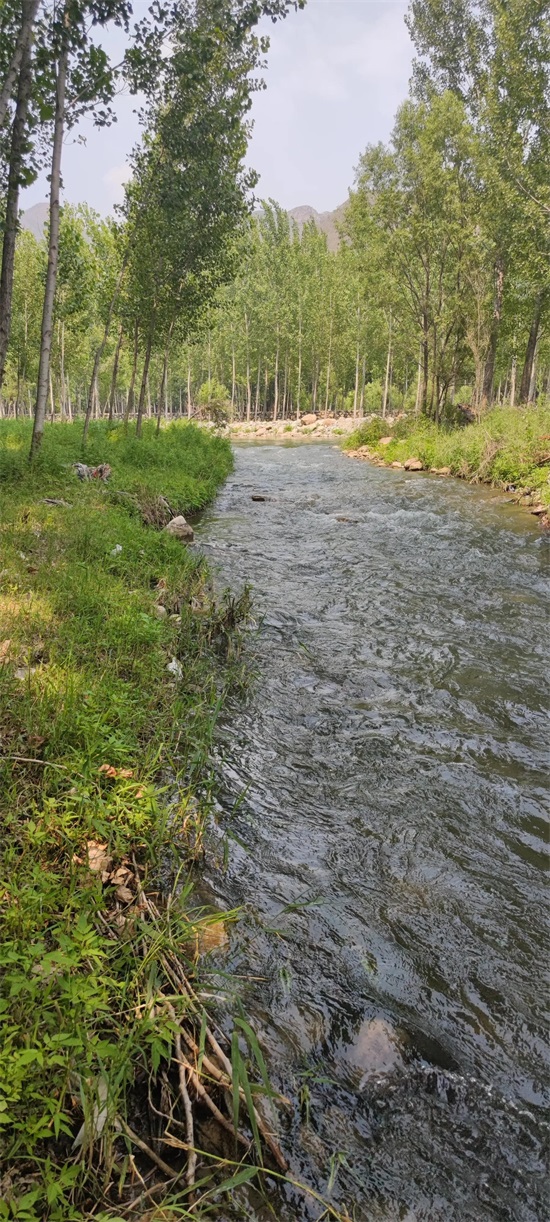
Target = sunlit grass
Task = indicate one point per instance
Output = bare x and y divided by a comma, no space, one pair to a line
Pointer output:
84,685
508,446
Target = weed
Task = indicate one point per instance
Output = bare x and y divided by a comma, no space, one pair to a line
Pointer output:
508,446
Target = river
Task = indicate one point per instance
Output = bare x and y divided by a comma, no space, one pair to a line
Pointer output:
383,804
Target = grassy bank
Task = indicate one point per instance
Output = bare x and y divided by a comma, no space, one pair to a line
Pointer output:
510,446
97,970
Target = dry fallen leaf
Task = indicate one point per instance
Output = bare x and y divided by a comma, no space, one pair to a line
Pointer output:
99,859
121,876
110,771
212,937
4,651
124,895
36,740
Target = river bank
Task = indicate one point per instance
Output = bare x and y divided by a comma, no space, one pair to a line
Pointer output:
508,449
115,662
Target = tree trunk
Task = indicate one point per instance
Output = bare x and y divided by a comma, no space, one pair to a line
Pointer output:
490,360
22,45
189,404
418,384
363,380
299,386
276,398
233,379
315,385
62,369
425,363
513,376
144,383
533,382
130,399
101,348
248,382
52,403
387,381
53,253
329,363
530,353
163,393
285,388
11,214
356,387
257,403
114,375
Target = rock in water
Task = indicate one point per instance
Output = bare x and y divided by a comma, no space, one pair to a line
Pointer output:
413,464
376,1050
180,529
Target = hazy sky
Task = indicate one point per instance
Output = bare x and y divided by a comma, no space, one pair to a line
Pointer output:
337,72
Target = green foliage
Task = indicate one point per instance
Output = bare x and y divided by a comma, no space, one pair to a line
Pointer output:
508,446
369,433
84,683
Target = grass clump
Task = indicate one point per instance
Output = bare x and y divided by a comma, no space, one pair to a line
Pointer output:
114,662
508,446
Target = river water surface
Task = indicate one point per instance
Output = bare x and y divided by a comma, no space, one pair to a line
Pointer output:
383,802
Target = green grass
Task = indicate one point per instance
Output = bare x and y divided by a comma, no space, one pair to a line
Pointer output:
508,446
83,685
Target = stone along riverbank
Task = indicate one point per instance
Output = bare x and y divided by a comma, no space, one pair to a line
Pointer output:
383,811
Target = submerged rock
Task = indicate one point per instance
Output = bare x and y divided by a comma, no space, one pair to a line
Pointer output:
377,1049
180,529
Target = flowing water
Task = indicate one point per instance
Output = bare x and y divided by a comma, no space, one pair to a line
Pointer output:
383,804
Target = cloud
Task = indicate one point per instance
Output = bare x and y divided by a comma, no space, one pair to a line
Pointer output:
115,178
336,75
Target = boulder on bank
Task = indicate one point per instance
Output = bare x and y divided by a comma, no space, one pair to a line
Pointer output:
413,464
180,529
311,418
385,441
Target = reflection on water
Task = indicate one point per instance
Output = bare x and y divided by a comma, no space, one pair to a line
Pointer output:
390,843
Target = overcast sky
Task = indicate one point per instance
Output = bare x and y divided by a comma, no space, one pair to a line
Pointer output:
337,72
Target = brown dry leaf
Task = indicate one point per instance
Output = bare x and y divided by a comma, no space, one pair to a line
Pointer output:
212,937
4,651
140,793
36,740
121,876
99,859
107,769
124,895
125,773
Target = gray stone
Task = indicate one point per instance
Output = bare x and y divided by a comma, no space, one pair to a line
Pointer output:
180,529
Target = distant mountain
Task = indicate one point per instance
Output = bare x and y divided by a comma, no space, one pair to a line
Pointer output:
35,220
327,222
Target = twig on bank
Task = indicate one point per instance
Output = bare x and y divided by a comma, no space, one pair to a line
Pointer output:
189,1128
